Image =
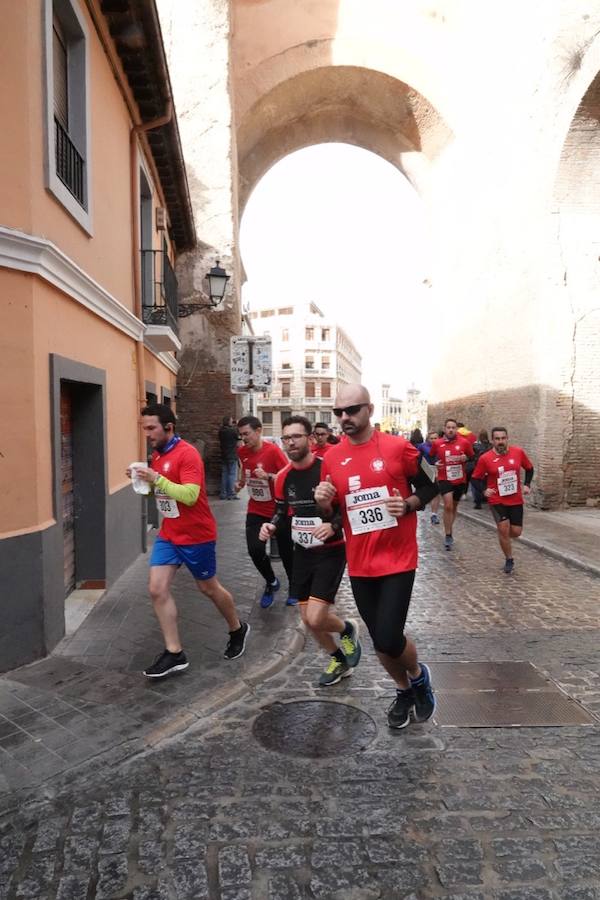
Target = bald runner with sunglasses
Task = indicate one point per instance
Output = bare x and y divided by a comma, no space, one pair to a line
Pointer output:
370,477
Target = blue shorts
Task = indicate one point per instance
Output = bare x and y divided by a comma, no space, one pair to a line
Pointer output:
201,559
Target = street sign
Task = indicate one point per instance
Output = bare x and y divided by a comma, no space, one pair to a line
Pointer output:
251,367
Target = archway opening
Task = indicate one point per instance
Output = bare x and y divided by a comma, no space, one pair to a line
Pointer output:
338,227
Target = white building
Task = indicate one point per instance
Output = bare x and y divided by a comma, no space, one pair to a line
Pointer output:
402,415
312,355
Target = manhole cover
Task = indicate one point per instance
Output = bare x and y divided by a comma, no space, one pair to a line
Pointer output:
314,728
505,709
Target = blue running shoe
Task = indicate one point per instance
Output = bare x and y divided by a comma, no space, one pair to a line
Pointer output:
424,696
270,590
448,541
291,601
509,565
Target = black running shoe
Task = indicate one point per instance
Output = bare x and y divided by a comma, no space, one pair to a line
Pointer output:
166,663
237,642
424,696
399,712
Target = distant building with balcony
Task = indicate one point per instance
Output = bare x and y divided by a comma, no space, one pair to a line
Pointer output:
94,210
312,357
402,415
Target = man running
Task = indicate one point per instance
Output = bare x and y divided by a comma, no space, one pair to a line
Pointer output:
451,453
187,536
322,445
501,467
369,476
260,461
319,552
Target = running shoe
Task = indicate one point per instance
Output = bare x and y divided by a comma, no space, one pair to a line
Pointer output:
509,565
268,596
435,519
237,642
350,644
448,542
166,663
399,712
424,695
334,672
291,601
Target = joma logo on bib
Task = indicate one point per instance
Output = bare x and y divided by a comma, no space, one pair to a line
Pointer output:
365,495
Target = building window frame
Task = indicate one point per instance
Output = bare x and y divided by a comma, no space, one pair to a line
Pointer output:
75,30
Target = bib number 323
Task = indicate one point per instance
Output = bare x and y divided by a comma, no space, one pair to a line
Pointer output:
368,512
167,507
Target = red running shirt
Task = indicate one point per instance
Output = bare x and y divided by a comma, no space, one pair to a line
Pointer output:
503,474
385,461
194,524
320,452
448,452
271,459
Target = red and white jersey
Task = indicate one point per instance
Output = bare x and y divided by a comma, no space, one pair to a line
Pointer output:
319,450
270,458
363,475
502,472
449,453
183,524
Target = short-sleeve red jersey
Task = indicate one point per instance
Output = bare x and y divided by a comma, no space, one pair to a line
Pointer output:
493,466
195,524
383,461
269,457
448,453
320,451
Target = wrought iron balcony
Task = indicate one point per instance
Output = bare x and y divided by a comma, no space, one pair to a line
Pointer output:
159,290
70,165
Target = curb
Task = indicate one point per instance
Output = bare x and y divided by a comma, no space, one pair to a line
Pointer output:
573,561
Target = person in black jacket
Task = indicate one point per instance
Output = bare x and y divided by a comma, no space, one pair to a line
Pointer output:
481,445
228,441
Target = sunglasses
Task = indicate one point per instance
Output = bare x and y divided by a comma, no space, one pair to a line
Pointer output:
349,410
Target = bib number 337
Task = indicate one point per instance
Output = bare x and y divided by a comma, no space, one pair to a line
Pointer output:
368,512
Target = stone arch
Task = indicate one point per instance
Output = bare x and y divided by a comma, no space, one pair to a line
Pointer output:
346,104
576,206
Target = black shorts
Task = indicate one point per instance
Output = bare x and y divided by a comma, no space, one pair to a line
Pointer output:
317,573
502,513
457,489
383,605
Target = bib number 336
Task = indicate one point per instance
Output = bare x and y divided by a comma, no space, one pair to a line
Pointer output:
368,512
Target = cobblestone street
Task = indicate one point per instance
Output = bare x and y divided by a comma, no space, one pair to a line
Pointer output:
429,812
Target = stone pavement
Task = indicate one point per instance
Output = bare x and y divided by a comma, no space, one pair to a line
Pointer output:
89,697
572,535
430,812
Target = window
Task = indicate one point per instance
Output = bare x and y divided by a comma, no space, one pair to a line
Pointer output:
325,362
325,416
286,311
309,362
285,388
325,389
285,334
267,417
67,108
309,334
309,389
311,416
286,365
324,334
265,313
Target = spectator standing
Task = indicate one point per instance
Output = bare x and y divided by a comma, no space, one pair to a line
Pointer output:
481,446
228,441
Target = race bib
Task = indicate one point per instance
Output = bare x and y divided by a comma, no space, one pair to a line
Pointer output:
167,507
508,484
454,473
303,528
258,489
367,511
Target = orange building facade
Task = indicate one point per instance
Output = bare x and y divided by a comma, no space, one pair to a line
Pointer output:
94,208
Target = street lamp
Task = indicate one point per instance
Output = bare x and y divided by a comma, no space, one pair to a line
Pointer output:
217,282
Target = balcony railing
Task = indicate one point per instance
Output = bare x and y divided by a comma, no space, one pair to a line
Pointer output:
70,165
159,290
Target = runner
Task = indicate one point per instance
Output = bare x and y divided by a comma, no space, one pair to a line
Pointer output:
260,461
322,445
319,552
369,476
187,536
451,453
501,467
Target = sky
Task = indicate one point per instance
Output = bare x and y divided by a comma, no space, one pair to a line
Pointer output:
342,227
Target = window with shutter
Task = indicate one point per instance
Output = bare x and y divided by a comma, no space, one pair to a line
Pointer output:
61,83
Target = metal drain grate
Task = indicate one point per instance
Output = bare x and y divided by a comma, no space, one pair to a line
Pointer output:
501,695
314,728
